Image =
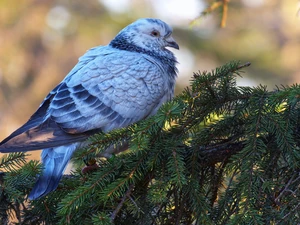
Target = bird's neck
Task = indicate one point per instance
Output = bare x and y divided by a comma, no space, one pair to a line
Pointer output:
166,57
121,43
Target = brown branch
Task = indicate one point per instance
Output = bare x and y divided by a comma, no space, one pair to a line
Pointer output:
285,189
120,205
2,174
224,15
215,154
288,214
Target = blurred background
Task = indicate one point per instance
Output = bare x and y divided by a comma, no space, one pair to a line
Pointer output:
41,40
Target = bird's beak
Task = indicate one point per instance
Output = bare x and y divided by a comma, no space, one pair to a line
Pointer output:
170,42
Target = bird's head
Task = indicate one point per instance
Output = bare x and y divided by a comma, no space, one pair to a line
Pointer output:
148,34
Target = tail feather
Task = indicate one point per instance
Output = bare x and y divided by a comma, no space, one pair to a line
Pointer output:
44,136
55,161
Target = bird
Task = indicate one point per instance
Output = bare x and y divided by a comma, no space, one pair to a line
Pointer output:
111,87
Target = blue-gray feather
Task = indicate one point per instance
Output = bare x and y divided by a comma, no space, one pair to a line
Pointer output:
55,161
111,87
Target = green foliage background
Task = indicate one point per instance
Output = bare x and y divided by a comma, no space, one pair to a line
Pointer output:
217,154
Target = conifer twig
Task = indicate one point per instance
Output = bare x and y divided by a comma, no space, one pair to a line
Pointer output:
244,65
1,177
215,154
285,189
120,205
286,215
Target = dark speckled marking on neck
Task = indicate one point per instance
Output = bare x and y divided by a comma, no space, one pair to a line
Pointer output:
167,58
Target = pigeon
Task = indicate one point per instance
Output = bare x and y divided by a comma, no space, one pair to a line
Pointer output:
110,87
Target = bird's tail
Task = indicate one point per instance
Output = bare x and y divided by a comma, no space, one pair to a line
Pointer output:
54,161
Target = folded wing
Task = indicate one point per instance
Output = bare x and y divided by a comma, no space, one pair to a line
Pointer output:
107,89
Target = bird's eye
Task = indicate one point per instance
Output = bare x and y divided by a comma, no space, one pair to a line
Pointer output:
155,33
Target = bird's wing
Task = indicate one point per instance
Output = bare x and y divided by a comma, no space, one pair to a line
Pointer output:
30,135
112,91
107,89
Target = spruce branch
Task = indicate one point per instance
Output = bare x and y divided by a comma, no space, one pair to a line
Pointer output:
13,161
216,154
118,208
286,188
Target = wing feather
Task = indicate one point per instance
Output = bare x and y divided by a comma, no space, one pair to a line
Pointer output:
107,89
115,97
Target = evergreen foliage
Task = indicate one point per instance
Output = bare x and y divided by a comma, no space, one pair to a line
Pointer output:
217,154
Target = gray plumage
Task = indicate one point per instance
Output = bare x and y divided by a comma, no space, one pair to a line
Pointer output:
111,87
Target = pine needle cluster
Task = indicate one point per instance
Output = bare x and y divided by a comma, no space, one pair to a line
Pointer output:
216,154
